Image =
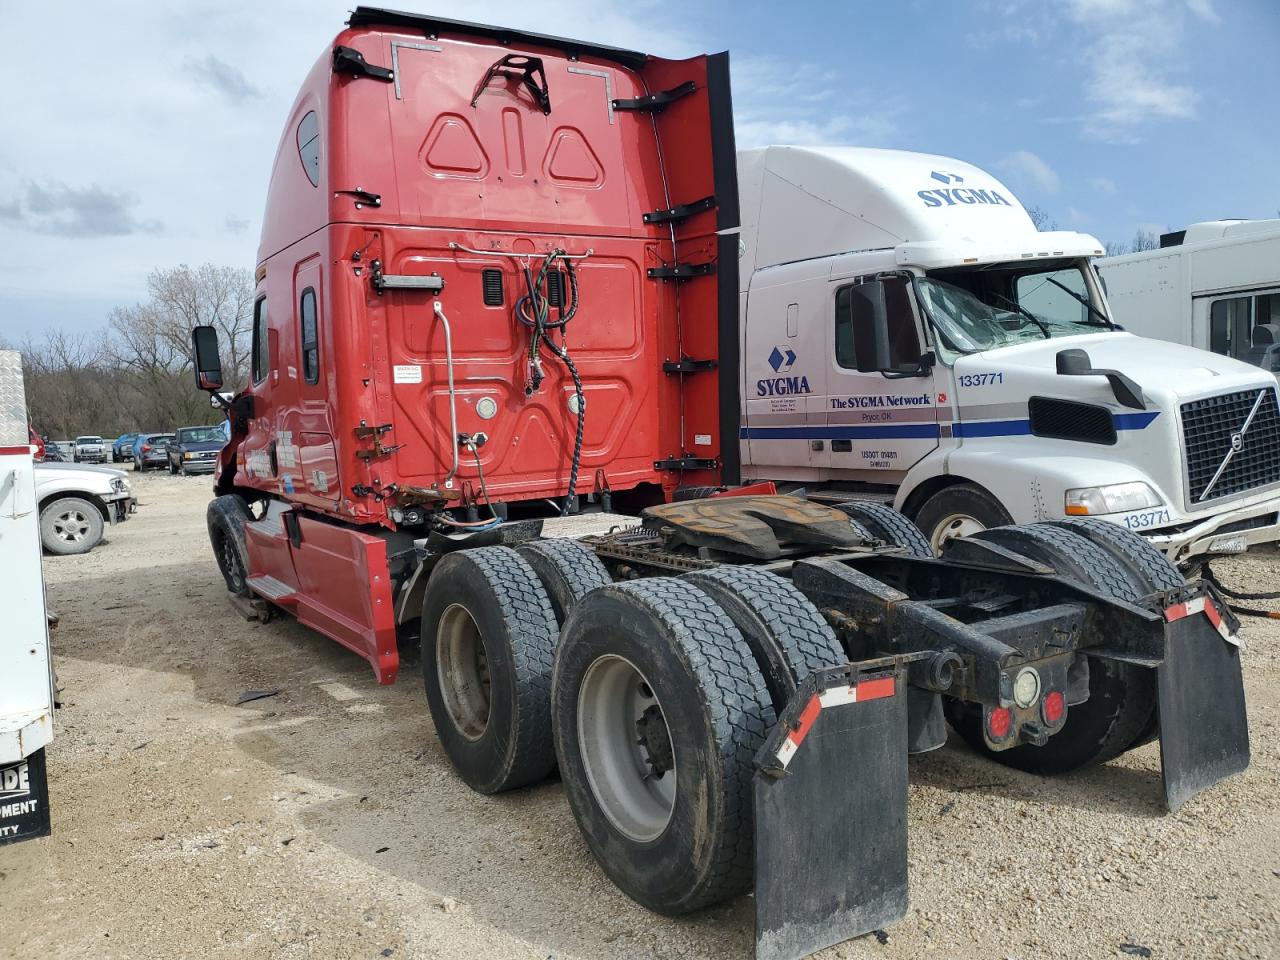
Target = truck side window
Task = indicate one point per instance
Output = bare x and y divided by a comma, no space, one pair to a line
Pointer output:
857,316
310,341
309,146
1229,327
261,360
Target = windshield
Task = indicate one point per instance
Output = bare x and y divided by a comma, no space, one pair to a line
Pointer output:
88,439
984,308
200,435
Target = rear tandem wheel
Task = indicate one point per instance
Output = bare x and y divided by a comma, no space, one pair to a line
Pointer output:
1122,696
655,686
488,636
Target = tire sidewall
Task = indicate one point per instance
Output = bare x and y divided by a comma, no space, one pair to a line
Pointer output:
655,873
484,762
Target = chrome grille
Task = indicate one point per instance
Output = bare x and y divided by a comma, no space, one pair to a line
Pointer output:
1208,427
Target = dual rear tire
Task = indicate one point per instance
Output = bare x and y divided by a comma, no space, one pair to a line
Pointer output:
534,657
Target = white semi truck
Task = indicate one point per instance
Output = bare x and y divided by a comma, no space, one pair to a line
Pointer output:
908,335
1214,285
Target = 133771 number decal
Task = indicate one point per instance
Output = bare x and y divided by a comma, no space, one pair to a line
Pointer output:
980,379
1151,518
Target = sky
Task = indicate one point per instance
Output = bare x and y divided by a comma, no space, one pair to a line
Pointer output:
143,135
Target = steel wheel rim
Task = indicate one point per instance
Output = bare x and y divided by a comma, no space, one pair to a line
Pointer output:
462,664
612,701
71,526
954,526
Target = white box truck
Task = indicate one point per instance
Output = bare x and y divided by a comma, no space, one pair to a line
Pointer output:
26,682
907,334
1215,285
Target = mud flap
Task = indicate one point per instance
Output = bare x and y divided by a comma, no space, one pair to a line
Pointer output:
1204,732
830,812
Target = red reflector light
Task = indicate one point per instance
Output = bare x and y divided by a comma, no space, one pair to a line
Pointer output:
1054,706
999,722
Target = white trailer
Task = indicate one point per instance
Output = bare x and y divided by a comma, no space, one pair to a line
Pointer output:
26,681
1215,286
908,334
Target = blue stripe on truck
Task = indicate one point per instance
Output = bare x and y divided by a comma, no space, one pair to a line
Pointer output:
904,431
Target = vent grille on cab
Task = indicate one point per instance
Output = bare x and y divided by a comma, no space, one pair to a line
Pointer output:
492,280
1071,420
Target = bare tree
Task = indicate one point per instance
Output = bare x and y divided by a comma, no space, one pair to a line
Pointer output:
221,297
1040,217
1145,240
1116,248
136,374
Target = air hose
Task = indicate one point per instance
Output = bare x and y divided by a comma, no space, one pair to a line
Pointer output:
534,311
1212,578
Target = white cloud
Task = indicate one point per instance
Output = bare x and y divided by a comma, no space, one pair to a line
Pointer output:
781,101
1103,185
1131,53
1204,10
1025,168
175,169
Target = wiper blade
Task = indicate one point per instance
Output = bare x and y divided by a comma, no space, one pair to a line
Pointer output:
1028,314
1083,301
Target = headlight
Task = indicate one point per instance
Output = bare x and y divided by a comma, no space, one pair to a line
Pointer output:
1113,498
118,484
187,456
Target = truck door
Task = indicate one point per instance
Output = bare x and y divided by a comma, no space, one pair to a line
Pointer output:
783,365
306,443
881,417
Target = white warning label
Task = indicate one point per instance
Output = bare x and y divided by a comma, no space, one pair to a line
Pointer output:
406,373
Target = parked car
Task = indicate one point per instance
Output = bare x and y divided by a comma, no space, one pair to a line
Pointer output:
122,449
52,452
195,449
89,450
149,450
77,502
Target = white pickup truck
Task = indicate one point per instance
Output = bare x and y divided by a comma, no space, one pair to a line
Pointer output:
78,502
908,335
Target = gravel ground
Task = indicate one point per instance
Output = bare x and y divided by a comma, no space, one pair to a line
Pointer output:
325,821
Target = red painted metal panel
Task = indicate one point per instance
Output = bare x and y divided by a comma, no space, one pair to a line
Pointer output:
344,591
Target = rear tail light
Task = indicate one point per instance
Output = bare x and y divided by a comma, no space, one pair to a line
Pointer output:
999,723
146,447
1054,707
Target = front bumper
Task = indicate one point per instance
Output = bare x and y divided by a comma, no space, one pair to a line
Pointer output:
120,506
1232,531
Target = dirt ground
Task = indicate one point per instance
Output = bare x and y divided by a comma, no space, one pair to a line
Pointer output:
325,821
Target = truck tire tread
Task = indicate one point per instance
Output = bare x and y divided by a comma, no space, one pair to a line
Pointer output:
568,569
885,523
788,637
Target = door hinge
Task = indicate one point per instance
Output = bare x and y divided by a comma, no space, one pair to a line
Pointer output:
657,101
686,463
681,271
374,434
352,61
687,365
681,212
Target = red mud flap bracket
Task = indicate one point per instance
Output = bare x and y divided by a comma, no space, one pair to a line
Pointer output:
1204,732
830,811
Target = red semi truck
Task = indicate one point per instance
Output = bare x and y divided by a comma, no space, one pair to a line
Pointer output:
497,280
